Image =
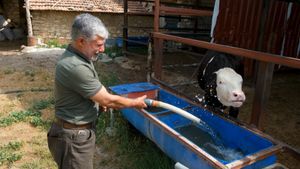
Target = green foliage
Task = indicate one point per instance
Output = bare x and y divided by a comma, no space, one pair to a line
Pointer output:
15,117
9,154
9,71
33,115
43,104
55,43
36,119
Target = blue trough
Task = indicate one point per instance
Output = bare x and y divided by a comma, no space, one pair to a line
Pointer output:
195,146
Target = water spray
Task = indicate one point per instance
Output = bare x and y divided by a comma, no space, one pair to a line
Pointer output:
197,121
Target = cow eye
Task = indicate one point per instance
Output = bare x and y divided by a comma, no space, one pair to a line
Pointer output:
220,82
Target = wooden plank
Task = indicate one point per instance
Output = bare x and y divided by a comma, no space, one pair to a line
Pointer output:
184,11
261,56
250,159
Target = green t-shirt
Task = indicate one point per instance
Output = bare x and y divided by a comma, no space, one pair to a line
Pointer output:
76,80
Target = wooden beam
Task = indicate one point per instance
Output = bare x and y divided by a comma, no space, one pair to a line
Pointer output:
261,56
184,11
250,159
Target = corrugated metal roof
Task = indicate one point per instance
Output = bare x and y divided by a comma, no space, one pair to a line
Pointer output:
240,23
107,6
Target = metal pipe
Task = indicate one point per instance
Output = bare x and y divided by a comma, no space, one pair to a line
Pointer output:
172,108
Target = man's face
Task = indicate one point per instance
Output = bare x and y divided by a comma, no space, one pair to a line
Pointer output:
91,48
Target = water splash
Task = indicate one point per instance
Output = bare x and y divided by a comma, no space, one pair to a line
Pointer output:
203,126
228,154
205,137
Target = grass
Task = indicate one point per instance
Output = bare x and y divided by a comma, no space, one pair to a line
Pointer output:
9,71
32,115
15,117
52,43
9,153
39,147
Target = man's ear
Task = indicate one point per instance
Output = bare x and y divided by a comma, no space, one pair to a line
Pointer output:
80,42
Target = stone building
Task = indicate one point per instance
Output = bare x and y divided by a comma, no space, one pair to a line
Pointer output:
52,19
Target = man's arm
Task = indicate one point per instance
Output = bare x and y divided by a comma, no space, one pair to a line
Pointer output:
106,99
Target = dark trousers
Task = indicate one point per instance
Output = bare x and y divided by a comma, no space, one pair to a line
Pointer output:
72,148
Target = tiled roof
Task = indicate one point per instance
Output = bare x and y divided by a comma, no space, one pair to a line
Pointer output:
107,6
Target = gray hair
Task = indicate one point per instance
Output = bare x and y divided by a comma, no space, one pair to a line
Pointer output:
88,26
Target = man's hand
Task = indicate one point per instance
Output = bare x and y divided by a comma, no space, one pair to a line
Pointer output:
139,102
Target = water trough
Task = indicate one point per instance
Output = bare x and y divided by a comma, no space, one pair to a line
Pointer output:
213,143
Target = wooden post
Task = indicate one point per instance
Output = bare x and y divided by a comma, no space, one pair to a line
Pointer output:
263,76
157,43
156,16
30,38
125,28
158,57
262,92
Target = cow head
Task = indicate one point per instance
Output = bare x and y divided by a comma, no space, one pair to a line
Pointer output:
229,87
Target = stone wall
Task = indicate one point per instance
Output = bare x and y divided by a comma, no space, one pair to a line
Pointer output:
57,24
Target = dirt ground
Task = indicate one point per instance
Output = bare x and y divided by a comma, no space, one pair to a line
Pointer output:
24,71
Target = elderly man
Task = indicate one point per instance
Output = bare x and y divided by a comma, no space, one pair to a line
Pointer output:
78,92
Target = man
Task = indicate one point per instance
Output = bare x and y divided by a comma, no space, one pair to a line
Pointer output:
78,91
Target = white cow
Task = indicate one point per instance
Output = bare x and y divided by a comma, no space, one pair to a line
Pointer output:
229,87
220,82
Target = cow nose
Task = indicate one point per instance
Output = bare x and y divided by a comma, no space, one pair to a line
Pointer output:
239,95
